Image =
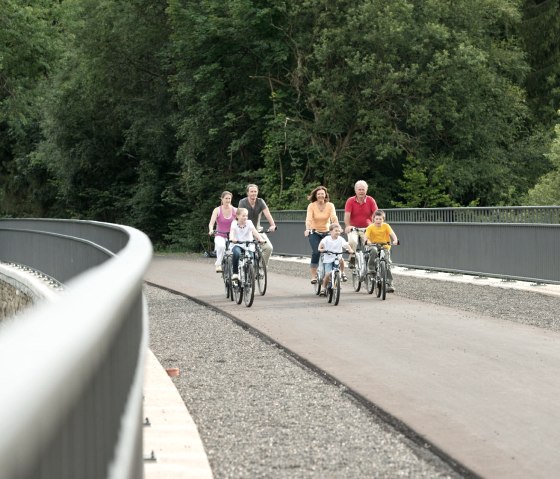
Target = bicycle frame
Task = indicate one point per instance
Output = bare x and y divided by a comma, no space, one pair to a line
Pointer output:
379,276
244,288
333,286
360,263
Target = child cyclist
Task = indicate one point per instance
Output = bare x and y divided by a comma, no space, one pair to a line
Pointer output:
334,243
242,229
381,232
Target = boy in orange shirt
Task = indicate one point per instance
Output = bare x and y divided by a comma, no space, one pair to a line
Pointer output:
381,232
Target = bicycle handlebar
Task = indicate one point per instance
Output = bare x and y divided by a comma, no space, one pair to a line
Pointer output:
247,243
387,243
331,252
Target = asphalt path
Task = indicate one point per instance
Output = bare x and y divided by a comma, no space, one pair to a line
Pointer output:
484,391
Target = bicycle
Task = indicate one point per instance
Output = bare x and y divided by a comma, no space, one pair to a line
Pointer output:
359,272
226,266
332,291
244,287
321,235
379,274
261,273
260,270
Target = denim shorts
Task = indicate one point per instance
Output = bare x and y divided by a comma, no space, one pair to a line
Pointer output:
328,267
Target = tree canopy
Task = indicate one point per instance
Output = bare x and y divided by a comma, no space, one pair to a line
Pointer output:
142,112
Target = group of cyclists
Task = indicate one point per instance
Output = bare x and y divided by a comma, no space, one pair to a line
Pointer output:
361,218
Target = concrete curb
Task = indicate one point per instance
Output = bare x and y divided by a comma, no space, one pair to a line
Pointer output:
172,445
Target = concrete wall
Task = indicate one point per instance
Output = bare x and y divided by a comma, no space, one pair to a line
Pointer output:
21,288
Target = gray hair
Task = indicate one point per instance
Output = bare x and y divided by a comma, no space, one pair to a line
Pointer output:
361,183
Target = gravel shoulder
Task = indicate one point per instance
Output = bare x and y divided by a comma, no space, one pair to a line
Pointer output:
262,414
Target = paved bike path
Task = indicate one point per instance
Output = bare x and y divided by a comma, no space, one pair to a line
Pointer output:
483,390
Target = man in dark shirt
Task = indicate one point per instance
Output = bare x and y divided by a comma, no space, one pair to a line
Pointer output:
256,207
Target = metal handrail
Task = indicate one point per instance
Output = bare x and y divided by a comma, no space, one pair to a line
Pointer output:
497,214
75,371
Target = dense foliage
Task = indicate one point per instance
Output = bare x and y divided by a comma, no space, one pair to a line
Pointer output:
142,112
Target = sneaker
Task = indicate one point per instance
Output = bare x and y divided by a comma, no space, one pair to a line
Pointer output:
344,277
314,281
234,277
218,268
322,293
390,289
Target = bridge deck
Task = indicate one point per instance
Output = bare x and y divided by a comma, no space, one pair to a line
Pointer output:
481,389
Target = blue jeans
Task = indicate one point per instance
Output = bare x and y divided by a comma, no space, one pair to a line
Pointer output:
237,252
314,240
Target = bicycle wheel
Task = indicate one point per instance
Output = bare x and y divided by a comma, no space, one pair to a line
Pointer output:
370,282
238,285
383,277
357,271
320,274
230,282
225,278
260,273
336,288
226,283
377,279
249,285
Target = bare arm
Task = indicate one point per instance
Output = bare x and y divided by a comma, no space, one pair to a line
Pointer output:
347,226
256,234
232,236
394,237
212,221
268,216
308,218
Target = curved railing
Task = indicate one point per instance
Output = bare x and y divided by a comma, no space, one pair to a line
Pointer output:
71,371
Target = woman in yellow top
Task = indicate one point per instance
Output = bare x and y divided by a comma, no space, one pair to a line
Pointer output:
381,232
321,213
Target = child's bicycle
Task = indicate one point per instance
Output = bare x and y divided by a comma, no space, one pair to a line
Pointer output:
377,279
332,291
244,288
361,255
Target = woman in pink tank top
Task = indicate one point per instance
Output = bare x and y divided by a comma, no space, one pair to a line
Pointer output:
222,217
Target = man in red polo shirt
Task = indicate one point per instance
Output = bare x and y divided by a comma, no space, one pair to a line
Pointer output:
358,213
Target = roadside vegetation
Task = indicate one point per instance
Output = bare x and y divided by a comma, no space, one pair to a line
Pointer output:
142,112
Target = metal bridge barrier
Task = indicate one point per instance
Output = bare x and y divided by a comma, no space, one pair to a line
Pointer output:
71,371
516,242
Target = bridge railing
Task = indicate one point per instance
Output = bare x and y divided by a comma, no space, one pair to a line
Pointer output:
518,243
71,371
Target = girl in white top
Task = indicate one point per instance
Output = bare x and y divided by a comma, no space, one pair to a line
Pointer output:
334,243
242,229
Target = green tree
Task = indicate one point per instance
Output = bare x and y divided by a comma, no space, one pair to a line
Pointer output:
370,83
109,140
540,32
422,188
547,190
29,48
